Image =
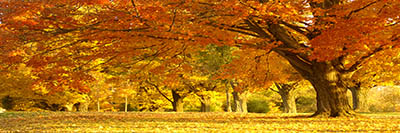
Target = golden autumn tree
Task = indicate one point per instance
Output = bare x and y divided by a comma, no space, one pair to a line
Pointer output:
326,41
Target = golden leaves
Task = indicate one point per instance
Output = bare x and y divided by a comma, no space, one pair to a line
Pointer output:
190,122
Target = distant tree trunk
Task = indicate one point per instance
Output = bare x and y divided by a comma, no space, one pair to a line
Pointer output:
98,105
205,104
126,103
84,106
359,98
228,100
289,103
240,101
70,107
177,102
98,99
288,98
355,94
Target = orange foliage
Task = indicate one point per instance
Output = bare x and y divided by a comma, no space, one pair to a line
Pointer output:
68,37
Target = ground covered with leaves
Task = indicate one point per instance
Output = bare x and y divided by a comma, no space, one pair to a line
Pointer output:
191,122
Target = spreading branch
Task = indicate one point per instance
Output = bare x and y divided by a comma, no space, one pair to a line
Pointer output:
257,29
357,64
159,91
360,9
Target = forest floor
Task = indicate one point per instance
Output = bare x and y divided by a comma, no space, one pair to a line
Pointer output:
191,122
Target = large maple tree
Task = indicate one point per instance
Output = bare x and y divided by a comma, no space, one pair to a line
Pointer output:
326,41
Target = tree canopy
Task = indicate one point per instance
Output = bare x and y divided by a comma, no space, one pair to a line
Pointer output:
326,41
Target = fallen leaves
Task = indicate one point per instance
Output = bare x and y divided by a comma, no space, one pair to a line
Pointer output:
190,122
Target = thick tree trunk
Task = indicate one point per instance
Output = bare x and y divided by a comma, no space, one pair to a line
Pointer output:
177,102
240,102
331,92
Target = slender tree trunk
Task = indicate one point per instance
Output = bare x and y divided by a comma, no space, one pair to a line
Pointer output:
228,100
98,99
240,102
355,96
98,105
331,92
126,103
178,102
359,98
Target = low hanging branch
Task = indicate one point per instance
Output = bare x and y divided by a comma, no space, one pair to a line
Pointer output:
159,91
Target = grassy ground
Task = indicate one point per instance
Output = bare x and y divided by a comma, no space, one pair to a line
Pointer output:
192,122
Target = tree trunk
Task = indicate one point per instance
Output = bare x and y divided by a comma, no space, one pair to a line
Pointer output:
178,102
359,99
288,98
331,92
289,103
126,103
69,107
228,100
240,101
98,105
83,106
205,104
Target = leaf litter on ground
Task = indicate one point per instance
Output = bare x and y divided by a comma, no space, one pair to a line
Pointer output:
190,122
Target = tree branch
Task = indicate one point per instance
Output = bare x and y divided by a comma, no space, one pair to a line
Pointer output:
136,10
296,61
356,65
173,21
105,62
257,29
296,28
159,91
240,30
359,9
64,46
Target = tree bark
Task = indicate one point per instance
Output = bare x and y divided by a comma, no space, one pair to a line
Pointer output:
83,106
126,103
288,98
98,105
331,92
205,104
359,98
177,101
228,100
289,103
240,102
69,107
